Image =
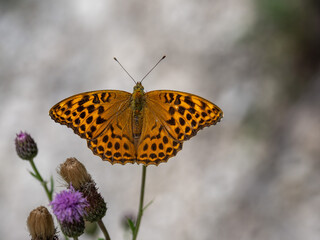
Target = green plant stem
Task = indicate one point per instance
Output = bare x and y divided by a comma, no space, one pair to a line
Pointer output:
75,238
43,183
140,212
104,230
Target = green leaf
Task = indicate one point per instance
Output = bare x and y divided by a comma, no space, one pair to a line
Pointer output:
34,175
131,225
51,188
148,204
51,185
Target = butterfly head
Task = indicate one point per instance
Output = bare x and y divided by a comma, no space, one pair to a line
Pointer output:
138,88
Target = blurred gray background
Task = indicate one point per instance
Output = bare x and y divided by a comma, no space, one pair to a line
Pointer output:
255,175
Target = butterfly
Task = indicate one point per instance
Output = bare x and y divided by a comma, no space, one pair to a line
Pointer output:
142,127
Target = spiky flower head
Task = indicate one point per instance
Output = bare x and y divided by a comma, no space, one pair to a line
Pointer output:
40,225
97,206
74,171
69,208
69,205
26,147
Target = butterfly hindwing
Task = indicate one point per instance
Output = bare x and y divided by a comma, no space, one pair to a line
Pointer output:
116,144
155,145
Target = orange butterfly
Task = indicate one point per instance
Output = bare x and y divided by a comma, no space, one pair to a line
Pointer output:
146,128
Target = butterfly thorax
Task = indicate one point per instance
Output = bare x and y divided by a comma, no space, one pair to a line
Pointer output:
137,105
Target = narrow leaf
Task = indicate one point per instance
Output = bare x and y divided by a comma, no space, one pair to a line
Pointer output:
148,204
34,175
51,185
131,225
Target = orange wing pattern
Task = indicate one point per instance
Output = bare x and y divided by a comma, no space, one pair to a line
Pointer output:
170,118
104,119
116,143
155,145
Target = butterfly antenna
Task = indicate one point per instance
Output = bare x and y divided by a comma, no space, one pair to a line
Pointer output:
124,69
153,68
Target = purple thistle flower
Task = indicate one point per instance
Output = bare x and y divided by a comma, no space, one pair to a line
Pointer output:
69,206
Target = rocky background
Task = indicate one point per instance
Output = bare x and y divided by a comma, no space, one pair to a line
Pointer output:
255,175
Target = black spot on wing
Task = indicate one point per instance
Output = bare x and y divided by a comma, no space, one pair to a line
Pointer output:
177,101
100,109
171,121
90,108
89,120
100,120
80,109
96,98
171,111
188,101
84,99
181,110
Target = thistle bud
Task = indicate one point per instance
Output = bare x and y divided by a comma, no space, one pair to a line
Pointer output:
25,146
40,225
73,171
97,206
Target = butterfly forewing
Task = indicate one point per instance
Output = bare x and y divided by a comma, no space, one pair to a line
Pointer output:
101,117
89,113
182,114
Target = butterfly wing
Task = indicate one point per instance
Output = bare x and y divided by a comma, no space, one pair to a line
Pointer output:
116,144
104,118
172,117
155,145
